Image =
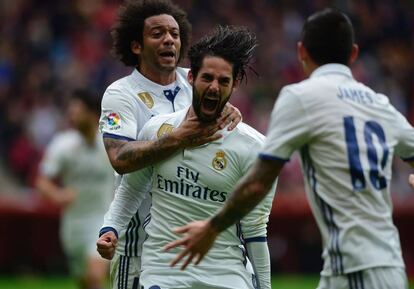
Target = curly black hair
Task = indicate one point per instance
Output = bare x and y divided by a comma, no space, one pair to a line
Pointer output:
236,44
130,26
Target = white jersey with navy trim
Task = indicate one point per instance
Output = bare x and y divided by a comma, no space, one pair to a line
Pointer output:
127,105
192,185
347,135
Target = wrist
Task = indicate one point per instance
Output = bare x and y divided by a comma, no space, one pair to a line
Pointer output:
215,225
175,140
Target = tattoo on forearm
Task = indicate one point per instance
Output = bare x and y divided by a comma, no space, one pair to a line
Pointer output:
136,155
111,143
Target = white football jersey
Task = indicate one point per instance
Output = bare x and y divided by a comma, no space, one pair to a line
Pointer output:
347,135
192,185
87,170
127,105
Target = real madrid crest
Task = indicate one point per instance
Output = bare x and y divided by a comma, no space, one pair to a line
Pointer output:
146,99
219,162
166,128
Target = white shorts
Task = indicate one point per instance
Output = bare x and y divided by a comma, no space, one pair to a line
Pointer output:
78,239
373,278
124,272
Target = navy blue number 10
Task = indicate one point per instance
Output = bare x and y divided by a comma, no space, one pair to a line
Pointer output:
357,174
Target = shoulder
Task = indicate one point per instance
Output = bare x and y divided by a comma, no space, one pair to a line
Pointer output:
161,124
182,71
120,89
64,140
248,134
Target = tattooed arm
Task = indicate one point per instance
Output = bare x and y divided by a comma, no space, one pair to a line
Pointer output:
128,156
200,235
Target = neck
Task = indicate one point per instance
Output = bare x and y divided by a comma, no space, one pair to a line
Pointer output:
309,67
89,132
162,77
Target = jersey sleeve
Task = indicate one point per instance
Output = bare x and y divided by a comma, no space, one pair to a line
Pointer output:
53,159
405,146
288,127
148,131
128,197
258,253
118,116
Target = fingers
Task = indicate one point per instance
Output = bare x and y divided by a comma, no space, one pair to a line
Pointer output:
179,257
235,121
230,120
199,258
175,244
188,261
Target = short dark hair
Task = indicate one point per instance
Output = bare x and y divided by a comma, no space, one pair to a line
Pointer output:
328,37
235,44
89,98
129,26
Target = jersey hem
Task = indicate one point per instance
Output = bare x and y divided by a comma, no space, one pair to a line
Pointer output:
363,267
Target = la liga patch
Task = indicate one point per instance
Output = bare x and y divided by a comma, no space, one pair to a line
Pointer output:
112,121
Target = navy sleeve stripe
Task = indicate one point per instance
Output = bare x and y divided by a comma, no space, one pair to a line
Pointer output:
256,239
267,157
409,159
108,229
110,135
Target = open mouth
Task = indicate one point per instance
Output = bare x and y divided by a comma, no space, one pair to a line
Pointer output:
168,55
210,104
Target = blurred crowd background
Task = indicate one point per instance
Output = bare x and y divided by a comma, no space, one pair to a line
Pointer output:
50,47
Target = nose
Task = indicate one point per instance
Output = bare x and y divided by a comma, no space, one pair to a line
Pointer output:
168,39
214,86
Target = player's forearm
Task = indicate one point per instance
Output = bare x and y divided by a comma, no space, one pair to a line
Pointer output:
246,196
46,187
252,189
127,157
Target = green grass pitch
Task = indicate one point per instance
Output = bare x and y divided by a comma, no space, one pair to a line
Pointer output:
29,282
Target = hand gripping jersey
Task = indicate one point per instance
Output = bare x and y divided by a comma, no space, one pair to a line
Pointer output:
127,105
347,135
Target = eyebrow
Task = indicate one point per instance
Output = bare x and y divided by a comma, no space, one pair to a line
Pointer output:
164,27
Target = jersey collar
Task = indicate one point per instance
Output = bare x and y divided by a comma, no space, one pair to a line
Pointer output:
140,82
332,68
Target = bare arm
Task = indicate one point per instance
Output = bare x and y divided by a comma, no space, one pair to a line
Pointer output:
127,157
201,234
58,195
130,156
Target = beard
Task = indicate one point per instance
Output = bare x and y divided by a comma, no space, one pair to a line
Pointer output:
199,101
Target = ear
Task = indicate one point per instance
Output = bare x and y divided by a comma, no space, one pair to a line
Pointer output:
136,47
354,53
190,77
302,54
235,84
